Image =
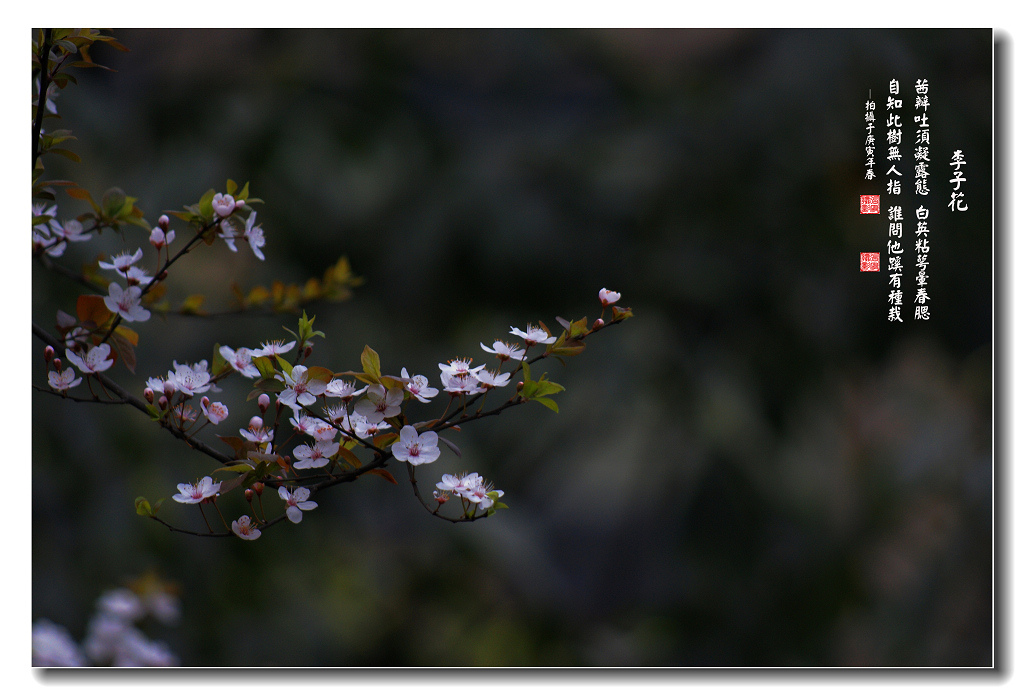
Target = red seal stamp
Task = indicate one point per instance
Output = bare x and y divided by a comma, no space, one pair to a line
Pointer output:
869,263
869,205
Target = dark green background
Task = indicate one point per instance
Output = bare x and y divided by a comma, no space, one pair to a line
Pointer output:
757,470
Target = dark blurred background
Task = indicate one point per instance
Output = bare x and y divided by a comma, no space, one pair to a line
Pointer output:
757,470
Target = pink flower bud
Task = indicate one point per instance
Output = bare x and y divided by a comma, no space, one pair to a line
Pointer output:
264,402
162,402
257,488
239,204
164,222
169,389
255,423
56,363
519,387
597,324
48,353
157,238
148,393
248,495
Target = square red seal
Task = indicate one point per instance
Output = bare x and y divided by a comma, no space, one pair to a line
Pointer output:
869,263
869,205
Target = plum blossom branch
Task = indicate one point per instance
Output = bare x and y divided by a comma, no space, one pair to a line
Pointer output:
160,274
138,404
78,399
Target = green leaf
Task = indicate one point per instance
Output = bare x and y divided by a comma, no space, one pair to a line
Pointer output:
545,387
237,468
219,364
191,305
125,350
231,187
383,474
382,440
205,205
65,153
390,382
621,314
350,458
113,200
371,363
142,507
265,365
566,346
283,365
547,403
578,328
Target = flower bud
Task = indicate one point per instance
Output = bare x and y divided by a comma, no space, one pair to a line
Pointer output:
239,204
248,495
308,351
164,222
264,403
48,353
257,488
169,389
597,324
56,363
162,402
148,393
157,238
519,387
255,423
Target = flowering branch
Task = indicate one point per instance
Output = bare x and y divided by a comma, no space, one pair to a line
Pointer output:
97,337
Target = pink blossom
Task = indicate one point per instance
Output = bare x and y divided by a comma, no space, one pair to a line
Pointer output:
240,360
274,347
193,494
214,412
505,351
254,235
461,385
122,261
608,297
62,381
302,390
295,503
190,380
245,528
533,335
127,303
314,456
378,405
96,360
489,380
416,448
223,205
345,390
418,387
459,367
